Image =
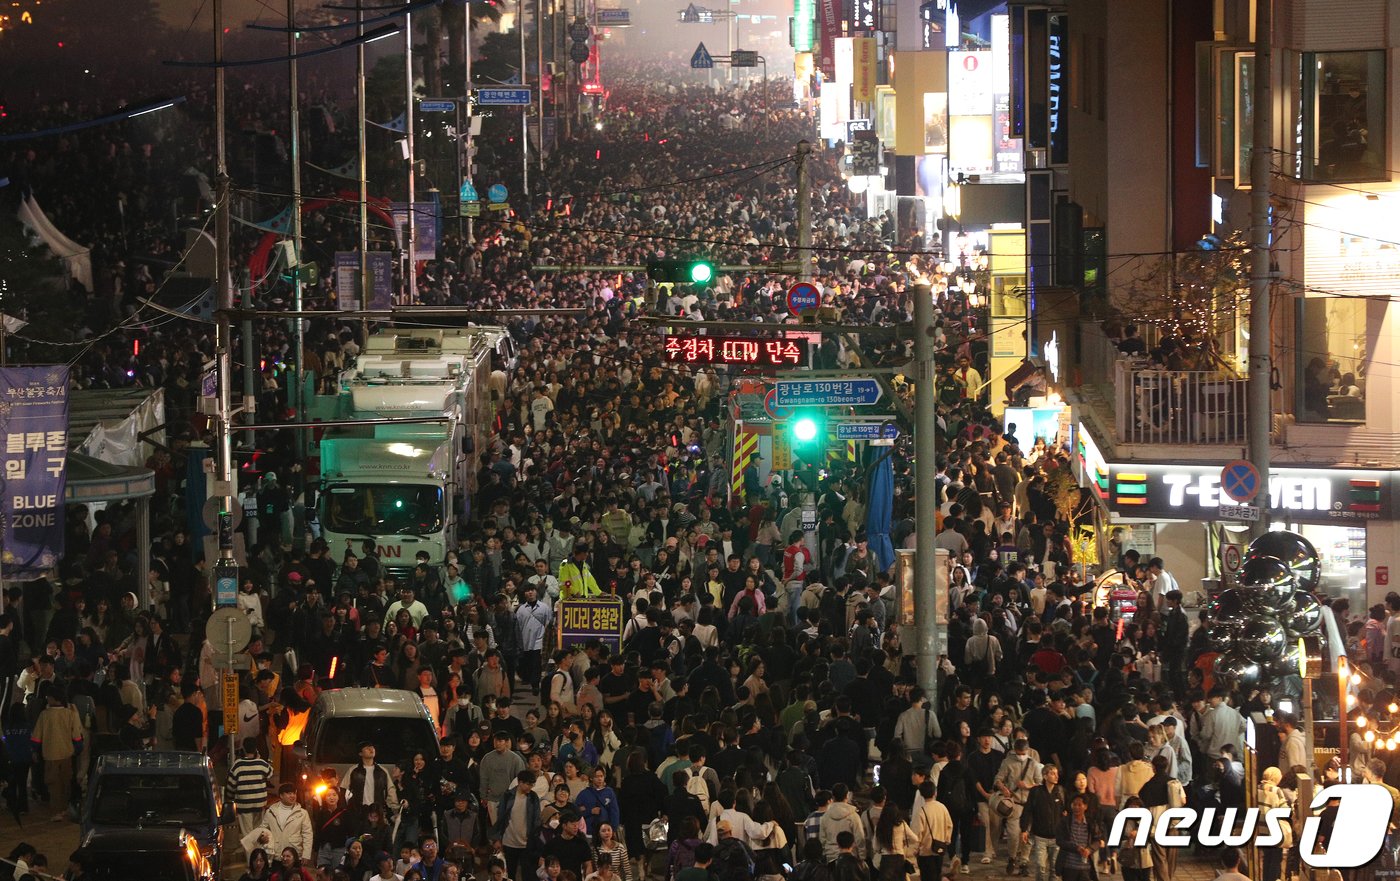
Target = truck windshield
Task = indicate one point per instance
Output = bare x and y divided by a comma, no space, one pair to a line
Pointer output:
154,800
395,740
383,508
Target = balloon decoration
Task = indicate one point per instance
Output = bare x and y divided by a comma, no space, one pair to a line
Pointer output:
1256,624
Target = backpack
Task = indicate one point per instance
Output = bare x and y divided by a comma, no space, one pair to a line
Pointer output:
695,785
734,860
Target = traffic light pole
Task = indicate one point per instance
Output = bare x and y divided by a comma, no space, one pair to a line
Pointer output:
925,495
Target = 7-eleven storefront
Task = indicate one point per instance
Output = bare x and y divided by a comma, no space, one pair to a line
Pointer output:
1173,511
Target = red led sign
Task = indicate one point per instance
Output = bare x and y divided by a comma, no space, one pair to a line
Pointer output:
739,351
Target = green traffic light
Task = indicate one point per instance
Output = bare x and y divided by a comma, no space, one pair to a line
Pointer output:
701,273
805,429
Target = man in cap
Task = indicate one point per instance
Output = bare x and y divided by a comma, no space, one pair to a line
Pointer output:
576,576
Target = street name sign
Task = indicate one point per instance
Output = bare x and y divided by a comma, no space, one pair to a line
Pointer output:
507,97
859,391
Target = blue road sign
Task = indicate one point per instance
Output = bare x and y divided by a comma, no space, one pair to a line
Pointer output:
497,193
1240,481
437,106
614,17
468,193
504,97
225,585
702,59
866,431
803,296
860,391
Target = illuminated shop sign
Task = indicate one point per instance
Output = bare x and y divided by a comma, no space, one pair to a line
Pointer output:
1192,492
741,351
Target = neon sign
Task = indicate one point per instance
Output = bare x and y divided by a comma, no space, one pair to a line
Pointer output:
737,351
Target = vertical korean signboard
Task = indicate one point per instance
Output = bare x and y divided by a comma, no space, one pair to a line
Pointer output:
863,70
34,422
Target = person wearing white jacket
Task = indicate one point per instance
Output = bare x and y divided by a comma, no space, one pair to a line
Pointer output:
533,618
285,824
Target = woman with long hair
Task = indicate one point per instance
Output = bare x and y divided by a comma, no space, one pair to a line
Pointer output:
332,824
258,867
894,847
607,842
289,868
356,865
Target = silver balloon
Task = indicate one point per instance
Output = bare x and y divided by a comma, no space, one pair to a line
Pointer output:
1296,552
1235,604
1263,640
1272,580
1307,613
1222,634
1238,668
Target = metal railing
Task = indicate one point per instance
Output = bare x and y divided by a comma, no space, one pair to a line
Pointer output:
1155,406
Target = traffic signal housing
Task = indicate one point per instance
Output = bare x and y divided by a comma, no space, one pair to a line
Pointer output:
694,271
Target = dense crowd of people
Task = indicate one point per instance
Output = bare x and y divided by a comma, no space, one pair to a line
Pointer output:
761,717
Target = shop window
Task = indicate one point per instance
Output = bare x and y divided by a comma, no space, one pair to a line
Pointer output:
1342,552
1344,122
1330,359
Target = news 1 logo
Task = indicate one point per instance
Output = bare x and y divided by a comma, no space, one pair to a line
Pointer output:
1363,815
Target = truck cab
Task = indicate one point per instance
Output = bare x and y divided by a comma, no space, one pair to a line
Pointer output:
167,791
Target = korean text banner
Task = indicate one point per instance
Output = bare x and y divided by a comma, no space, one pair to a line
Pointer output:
579,621
34,423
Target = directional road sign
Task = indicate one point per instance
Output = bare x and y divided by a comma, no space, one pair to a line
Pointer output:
1240,481
866,431
437,106
743,58
702,60
614,17
803,296
497,97
497,193
859,391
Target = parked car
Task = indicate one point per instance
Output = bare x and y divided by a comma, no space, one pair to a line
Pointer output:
149,854
135,791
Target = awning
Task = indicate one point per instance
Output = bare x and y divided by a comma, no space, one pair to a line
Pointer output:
92,480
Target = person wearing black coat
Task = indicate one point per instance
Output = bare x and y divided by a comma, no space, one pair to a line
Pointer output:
680,804
955,792
641,798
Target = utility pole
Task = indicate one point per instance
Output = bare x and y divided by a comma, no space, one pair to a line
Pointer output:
1260,272
411,234
804,212
525,108
467,98
539,80
925,495
365,284
297,397
223,346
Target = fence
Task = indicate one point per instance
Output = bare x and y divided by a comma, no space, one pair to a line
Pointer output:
1178,406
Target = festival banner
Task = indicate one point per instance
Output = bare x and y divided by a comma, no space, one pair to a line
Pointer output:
380,265
425,228
34,423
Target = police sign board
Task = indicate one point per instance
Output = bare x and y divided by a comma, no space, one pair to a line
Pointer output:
580,620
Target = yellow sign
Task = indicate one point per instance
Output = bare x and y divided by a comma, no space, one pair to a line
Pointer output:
782,449
863,86
230,701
